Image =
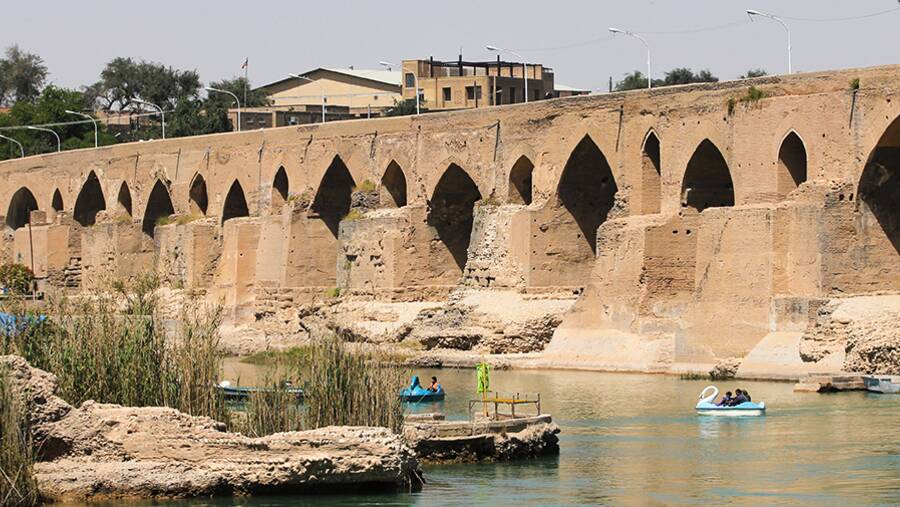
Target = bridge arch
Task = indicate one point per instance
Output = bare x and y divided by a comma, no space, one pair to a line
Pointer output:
651,175
521,188
20,207
587,190
57,202
332,200
791,166
451,212
124,199
280,188
235,205
878,192
198,198
393,186
89,202
159,206
707,180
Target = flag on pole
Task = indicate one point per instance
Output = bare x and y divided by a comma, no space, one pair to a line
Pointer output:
484,377
246,63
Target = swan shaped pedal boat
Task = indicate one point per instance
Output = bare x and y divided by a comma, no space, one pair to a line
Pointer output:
707,406
415,393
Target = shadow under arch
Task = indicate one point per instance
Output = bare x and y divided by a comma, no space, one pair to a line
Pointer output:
393,187
89,202
22,203
520,181
451,212
159,205
587,189
198,196
791,164
235,205
707,180
280,188
124,198
878,194
650,174
332,201
57,202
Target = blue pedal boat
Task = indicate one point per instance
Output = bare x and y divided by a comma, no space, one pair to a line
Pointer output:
415,393
707,406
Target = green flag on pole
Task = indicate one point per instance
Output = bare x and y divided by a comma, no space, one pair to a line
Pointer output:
484,377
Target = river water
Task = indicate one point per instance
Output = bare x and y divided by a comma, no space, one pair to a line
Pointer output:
635,440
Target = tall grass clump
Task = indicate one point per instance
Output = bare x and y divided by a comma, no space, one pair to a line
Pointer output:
117,346
343,388
18,486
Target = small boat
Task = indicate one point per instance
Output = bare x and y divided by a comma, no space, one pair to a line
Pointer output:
707,406
415,393
884,384
238,393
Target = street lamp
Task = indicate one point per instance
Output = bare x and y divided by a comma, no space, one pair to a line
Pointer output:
638,37
402,70
321,86
524,65
89,117
162,114
238,102
21,150
751,13
58,141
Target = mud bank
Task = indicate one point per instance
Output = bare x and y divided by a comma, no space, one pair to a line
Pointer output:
99,451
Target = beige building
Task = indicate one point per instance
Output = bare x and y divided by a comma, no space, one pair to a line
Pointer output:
361,92
464,85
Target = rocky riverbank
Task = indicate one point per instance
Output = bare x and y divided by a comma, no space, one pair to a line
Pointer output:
100,451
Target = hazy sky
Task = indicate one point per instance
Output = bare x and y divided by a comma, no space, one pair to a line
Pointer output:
76,39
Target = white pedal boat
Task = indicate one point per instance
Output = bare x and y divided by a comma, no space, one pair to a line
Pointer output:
707,406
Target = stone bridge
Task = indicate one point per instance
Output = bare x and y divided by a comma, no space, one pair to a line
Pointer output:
692,221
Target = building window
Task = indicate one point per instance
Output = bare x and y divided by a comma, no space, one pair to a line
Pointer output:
448,95
410,80
473,92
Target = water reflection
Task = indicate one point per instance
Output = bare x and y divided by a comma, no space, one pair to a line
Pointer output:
635,440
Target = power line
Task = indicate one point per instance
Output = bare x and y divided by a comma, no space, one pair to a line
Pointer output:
693,30
849,18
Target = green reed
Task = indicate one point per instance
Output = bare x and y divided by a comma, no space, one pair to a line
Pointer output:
18,486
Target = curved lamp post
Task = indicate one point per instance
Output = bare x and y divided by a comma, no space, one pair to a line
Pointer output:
524,65
58,140
751,13
89,117
21,150
236,101
402,70
321,86
162,114
638,37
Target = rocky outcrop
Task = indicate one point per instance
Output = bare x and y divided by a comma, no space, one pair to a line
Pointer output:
102,451
437,441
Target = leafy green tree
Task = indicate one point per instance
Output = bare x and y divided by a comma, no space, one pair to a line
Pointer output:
124,81
632,81
404,107
683,75
49,107
22,76
754,73
237,86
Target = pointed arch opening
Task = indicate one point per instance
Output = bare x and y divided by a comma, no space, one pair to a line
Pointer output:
393,187
332,201
879,193
124,199
791,165
650,175
451,212
235,203
587,190
707,179
197,196
89,202
520,181
20,207
280,188
57,202
159,207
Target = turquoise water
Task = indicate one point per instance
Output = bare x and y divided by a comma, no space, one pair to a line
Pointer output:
634,440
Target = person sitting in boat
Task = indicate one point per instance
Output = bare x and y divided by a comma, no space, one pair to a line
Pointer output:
739,398
726,400
434,387
747,394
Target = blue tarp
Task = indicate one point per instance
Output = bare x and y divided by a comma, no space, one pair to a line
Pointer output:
10,327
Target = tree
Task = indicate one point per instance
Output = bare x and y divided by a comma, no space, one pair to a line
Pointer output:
22,76
754,73
683,75
633,81
50,107
237,86
404,107
124,80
